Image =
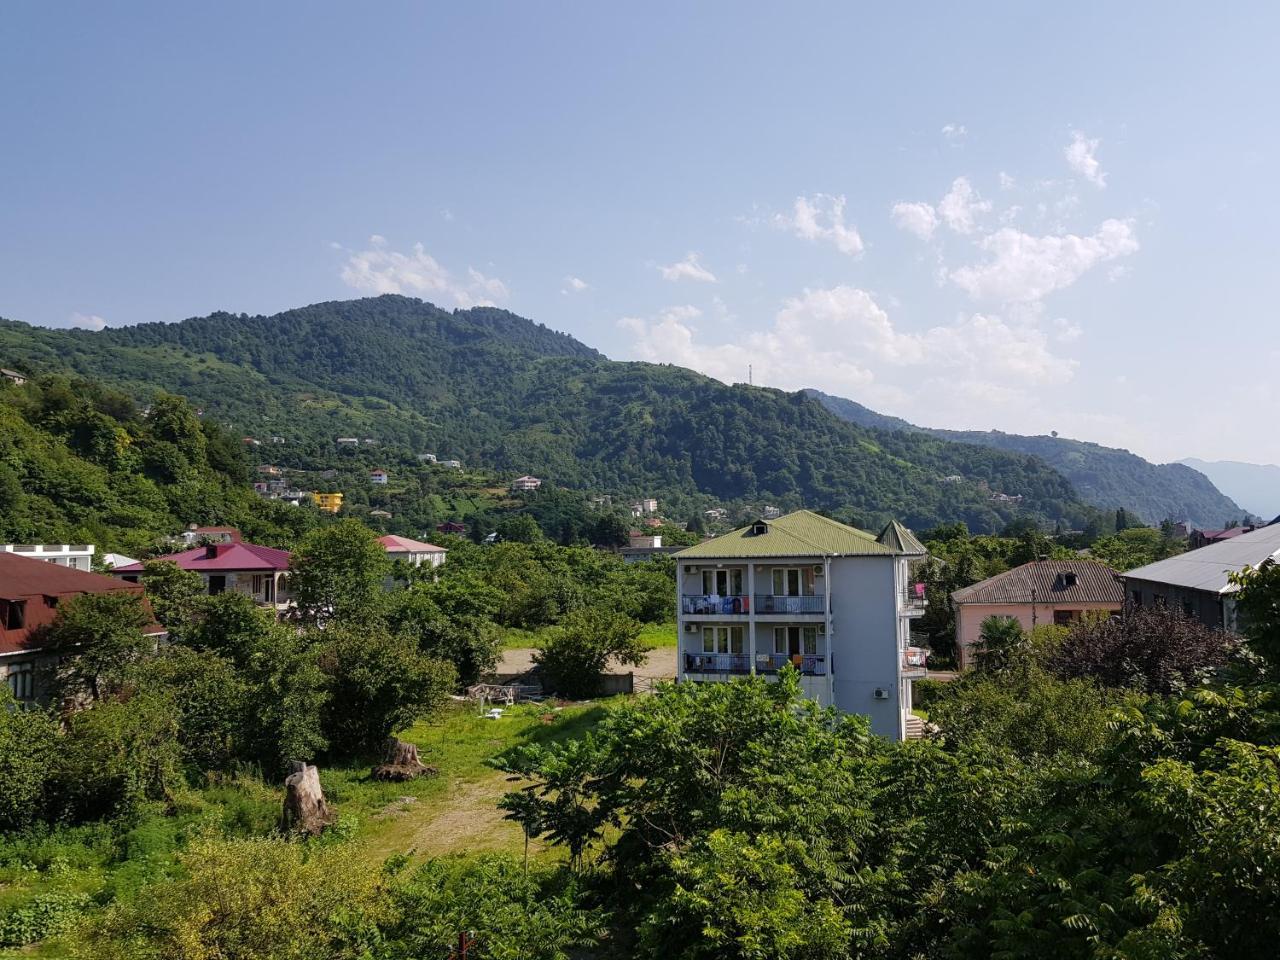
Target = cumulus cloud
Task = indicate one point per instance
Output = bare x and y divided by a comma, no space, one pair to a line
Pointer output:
918,218
690,268
841,339
1080,158
954,132
821,218
1024,268
86,321
962,206
573,285
379,270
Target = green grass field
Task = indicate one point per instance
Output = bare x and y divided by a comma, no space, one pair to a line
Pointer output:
653,635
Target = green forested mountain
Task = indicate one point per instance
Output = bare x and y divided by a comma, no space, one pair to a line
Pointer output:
501,392
1103,476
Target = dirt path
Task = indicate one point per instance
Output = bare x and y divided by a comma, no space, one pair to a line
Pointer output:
661,664
468,821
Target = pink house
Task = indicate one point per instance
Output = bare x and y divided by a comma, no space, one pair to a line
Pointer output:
247,568
1042,592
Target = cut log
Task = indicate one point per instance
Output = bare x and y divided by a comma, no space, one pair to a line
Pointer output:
305,810
401,763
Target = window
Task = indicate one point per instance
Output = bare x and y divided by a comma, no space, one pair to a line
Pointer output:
1188,608
1064,618
15,614
794,641
725,583
1136,597
722,639
793,582
258,581
217,584
21,681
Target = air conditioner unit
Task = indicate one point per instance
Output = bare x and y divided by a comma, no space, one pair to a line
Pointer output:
688,568
817,569
881,693
690,628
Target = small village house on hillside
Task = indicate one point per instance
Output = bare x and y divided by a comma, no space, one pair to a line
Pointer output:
379,477
834,601
328,502
30,592
414,552
259,572
525,484
1037,593
1198,582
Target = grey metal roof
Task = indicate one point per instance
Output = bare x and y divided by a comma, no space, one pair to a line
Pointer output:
1046,581
1207,568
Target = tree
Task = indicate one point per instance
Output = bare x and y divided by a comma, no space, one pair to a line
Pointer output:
94,638
28,753
1000,642
379,683
1257,602
339,572
575,654
447,620
177,596
1151,650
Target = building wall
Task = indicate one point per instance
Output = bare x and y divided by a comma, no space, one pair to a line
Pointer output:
969,617
1206,606
865,644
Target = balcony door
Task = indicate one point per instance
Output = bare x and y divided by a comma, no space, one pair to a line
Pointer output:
793,582
723,583
795,641
722,639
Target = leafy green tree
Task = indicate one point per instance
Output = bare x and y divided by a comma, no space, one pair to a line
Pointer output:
29,744
94,638
575,654
1258,608
518,528
339,572
177,596
448,620
379,683
1000,644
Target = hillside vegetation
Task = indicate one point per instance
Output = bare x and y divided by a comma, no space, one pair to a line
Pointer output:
1104,477
506,394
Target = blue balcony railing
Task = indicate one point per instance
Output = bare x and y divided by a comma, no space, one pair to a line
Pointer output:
775,603
812,665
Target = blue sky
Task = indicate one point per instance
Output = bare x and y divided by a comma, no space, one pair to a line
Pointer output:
974,216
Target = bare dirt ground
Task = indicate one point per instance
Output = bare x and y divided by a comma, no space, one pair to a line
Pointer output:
661,665
468,821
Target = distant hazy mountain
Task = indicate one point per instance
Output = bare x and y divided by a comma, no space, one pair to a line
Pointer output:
1104,476
1255,486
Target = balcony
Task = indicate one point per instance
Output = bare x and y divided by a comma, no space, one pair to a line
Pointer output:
811,665
913,599
714,605
775,603
915,662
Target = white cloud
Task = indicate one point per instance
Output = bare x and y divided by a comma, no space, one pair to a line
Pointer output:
690,268
821,218
1007,182
954,132
841,340
1080,158
961,207
379,270
1025,268
1066,331
918,218
86,321
574,285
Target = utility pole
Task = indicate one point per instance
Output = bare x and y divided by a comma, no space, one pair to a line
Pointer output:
750,380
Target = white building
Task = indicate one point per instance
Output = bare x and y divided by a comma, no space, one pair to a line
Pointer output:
525,484
645,506
378,477
426,458
835,602
77,556
414,552
453,464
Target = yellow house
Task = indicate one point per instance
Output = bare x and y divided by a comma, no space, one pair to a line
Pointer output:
328,502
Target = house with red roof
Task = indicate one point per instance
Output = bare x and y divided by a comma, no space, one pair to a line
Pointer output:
415,552
259,572
30,592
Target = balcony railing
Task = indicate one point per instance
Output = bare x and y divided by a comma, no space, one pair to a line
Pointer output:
714,604
808,664
915,660
775,603
913,597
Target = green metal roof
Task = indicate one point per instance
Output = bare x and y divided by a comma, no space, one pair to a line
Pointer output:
799,534
899,538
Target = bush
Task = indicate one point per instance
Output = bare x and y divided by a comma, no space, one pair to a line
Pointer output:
1156,651
28,751
575,654
43,916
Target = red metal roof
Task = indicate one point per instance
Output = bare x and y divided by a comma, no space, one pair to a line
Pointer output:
220,557
24,578
395,544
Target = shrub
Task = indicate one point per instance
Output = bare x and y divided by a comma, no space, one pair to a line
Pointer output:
28,752
40,917
575,654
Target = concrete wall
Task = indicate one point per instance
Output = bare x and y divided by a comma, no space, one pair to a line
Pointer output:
969,617
1203,605
865,640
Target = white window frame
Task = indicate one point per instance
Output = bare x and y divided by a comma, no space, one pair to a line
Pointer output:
729,638
728,578
806,638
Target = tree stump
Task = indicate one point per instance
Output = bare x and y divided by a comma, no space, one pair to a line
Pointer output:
305,810
401,763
